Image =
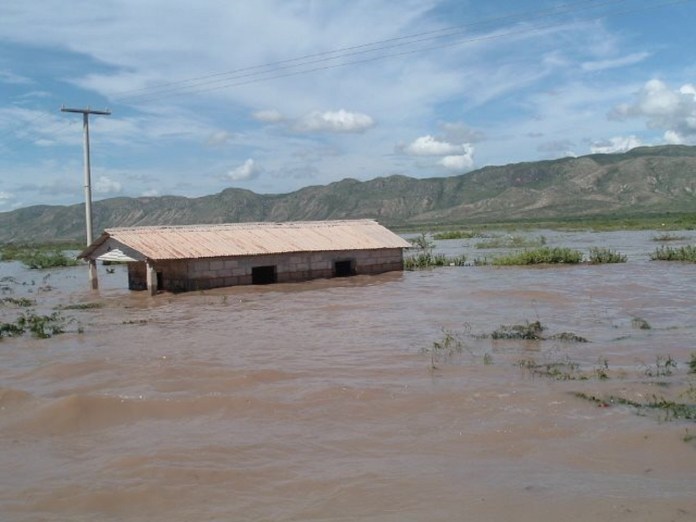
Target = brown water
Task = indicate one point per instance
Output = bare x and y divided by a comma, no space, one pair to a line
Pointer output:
315,402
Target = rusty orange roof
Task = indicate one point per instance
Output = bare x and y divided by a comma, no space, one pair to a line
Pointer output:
243,239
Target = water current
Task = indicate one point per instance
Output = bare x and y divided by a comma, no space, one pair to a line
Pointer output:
317,401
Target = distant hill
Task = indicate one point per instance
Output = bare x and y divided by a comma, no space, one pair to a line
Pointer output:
643,180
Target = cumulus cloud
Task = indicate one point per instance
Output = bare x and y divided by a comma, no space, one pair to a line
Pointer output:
673,111
334,121
104,185
430,146
616,144
453,156
269,116
5,198
150,193
245,172
458,162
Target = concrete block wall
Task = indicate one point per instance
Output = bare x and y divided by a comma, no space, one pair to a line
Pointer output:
202,274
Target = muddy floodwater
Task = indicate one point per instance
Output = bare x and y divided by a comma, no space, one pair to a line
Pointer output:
317,401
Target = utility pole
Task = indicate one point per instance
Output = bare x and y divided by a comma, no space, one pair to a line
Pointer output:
88,184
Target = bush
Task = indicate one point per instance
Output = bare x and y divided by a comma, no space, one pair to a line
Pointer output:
512,242
685,253
456,234
429,260
605,255
37,258
41,326
543,255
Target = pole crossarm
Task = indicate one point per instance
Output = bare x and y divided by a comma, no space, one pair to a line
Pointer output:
105,112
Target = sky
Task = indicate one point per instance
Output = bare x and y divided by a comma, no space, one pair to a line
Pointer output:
275,95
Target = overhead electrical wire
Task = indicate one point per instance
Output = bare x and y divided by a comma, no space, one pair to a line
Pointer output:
368,47
363,53
329,59
259,72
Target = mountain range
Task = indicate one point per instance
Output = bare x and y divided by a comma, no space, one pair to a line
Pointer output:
643,180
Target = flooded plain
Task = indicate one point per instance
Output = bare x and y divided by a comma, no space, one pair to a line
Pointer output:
317,401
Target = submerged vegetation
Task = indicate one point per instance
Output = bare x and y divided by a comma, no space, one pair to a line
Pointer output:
665,253
429,260
38,257
605,255
533,332
668,237
457,234
21,302
81,306
670,410
557,364
537,256
514,241
425,258
443,349
40,326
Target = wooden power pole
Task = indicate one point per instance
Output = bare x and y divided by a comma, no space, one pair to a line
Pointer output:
88,184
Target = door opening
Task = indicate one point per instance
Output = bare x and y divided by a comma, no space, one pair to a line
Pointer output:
263,275
344,268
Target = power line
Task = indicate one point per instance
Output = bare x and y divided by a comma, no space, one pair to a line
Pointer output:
362,48
361,54
323,61
258,72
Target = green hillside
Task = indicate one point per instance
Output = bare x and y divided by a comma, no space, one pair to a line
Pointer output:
645,180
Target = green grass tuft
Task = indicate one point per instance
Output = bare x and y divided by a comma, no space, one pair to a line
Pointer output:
537,256
37,258
512,242
685,253
457,234
605,255
429,260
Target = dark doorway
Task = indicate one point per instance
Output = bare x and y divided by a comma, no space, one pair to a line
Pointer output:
344,268
160,281
263,275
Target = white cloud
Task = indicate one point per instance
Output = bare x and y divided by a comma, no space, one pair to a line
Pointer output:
150,193
338,121
5,199
269,116
673,111
512,80
616,144
601,65
104,185
219,138
11,78
245,172
459,162
430,146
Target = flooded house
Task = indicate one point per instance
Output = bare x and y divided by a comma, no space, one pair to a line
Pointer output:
200,257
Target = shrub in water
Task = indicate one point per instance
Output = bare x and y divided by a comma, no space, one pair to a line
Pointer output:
605,255
685,253
543,255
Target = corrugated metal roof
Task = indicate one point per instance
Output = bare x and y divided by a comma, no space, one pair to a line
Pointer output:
243,239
